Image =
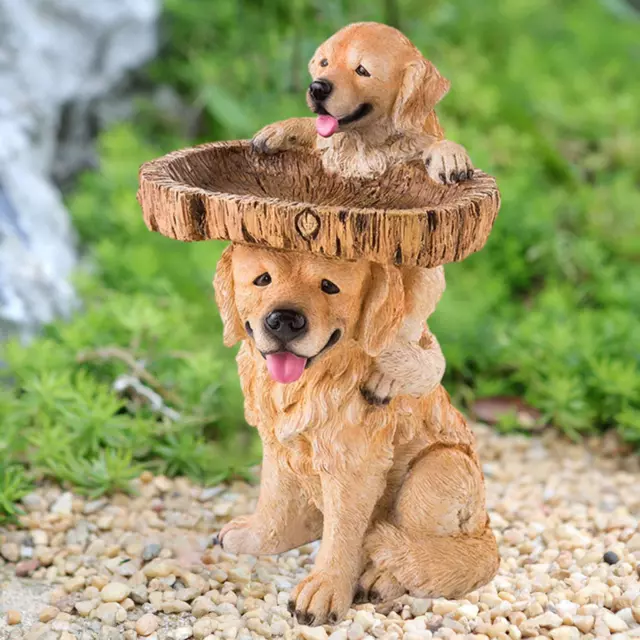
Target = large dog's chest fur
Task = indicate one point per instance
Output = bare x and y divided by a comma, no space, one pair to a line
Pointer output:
324,403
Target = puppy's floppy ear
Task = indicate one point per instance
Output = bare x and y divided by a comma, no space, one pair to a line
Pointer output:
382,310
225,299
421,89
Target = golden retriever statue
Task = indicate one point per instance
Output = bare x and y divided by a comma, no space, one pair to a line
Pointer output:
362,446
396,492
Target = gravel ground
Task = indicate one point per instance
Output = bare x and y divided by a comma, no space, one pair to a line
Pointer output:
566,517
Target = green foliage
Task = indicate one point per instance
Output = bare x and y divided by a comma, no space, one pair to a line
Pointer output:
542,96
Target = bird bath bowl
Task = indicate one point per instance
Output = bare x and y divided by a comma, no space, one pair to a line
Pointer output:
227,191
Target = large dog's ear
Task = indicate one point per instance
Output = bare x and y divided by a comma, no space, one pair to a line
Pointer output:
421,89
225,299
383,309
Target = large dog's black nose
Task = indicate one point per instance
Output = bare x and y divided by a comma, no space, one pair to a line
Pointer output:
285,324
320,89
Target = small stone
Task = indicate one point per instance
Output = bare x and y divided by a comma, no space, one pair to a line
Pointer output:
614,623
548,620
85,607
202,606
159,569
443,607
209,493
63,505
565,633
147,624
355,632
151,551
10,552
13,617
611,558
633,544
107,613
419,606
365,619
187,594
74,584
94,506
183,633
48,614
204,627
27,567
175,606
33,502
140,594
313,633
115,592
468,611
584,623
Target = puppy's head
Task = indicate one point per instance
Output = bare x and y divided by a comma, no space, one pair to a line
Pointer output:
370,75
298,307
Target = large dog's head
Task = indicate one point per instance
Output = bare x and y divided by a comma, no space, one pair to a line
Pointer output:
298,307
369,75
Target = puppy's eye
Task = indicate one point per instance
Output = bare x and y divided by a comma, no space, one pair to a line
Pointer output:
324,62
361,71
328,287
263,280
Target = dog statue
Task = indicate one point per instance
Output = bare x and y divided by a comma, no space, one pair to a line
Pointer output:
396,491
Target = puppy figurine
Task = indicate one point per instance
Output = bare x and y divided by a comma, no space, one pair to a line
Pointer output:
374,94
396,492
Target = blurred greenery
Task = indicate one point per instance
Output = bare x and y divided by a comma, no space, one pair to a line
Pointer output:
543,96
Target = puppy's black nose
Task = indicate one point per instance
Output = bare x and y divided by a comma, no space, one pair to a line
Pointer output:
320,89
285,324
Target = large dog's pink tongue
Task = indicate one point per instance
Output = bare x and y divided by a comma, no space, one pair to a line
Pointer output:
327,125
285,367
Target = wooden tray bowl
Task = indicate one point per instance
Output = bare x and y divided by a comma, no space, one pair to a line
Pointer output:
226,191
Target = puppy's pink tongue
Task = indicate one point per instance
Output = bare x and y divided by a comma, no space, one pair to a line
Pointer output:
326,126
285,367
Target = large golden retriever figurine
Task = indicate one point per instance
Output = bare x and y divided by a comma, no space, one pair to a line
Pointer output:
396,491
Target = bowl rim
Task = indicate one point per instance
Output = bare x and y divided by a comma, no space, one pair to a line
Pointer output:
158,171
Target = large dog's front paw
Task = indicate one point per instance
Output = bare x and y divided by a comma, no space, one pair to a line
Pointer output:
242,535
379,389
322,597
448,162
377,586
273,138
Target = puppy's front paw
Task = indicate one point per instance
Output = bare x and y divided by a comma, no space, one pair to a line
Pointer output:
448,162
379,389
272,139
322,597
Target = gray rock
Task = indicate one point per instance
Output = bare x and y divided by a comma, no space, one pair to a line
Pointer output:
151,551
63,64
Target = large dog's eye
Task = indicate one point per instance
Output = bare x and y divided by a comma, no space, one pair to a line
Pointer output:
324,62
328,287
361,71
263,280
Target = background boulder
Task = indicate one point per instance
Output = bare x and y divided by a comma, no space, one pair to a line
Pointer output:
64,66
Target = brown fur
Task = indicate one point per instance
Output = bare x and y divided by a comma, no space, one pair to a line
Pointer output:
403,89
396,492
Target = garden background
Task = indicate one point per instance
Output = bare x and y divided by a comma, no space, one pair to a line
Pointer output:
540,330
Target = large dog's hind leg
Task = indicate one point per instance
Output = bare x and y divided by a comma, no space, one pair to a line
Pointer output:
284,518
438,542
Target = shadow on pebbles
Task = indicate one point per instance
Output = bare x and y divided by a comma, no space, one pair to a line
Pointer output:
143,566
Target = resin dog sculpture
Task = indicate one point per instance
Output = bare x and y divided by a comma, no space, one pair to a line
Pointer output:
396,492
